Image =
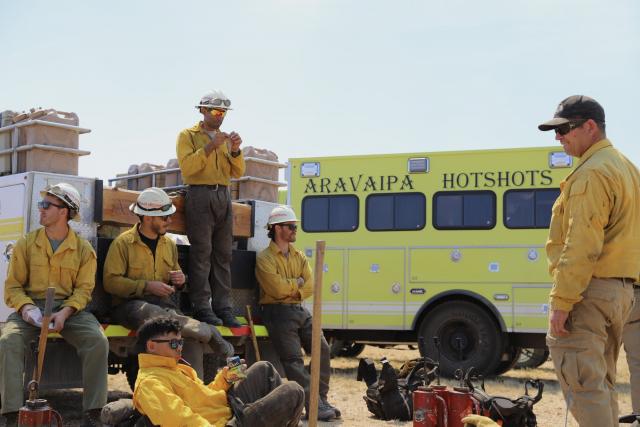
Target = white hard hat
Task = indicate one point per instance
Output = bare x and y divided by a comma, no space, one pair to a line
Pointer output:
215,99
281,214
67,193
153,202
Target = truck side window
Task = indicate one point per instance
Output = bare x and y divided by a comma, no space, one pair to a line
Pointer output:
529,208
393,212
464,210
329,213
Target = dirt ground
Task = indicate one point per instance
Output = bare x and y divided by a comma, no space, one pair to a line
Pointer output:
346,393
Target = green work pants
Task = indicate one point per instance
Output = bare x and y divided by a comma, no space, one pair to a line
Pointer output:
631,340
81,330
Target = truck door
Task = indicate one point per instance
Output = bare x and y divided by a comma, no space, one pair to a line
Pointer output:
333,289
376,289
11,229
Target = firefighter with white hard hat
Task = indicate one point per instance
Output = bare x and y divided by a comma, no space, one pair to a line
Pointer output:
285,279
53,255
142,273
208,159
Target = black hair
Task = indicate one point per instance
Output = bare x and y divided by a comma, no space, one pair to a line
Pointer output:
272,232
155,327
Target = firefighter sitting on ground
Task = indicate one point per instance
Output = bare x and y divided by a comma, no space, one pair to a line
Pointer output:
169,393
285,281
142,273
53,256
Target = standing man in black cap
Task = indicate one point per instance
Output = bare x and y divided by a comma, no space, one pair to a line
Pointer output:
594,259
208,159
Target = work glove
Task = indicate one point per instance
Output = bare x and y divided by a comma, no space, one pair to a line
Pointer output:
479,421
32,315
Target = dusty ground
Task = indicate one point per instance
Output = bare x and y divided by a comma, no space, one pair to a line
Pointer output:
346,393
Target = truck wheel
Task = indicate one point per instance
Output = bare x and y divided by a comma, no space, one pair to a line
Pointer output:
532,358
469,337
131,370
508,364
340,348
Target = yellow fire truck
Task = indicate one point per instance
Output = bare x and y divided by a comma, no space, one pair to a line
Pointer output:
423,245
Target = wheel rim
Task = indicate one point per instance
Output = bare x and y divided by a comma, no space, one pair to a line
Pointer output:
458,340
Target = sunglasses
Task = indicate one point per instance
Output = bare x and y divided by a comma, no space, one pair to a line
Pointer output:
164,218
45,204
217,113
564,129
163,208
174,343
219,102
292,227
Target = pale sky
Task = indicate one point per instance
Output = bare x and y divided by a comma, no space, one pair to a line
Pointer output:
317,78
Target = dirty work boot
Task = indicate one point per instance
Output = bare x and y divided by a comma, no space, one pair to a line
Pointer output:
207,316
335,410
228,319
91,418
325,412
11,419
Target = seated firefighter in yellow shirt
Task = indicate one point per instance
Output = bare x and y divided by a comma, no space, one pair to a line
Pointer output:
170,394
142,273
53,255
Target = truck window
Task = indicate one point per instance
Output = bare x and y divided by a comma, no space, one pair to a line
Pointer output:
329,213
464,210
392,212
529,208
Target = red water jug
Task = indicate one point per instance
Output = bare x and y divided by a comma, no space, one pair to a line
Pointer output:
38,413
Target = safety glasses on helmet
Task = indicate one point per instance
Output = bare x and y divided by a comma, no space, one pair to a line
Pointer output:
174,343
219,102
162,208
565,128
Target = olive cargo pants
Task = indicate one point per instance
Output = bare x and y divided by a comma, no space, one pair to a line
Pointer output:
289,327
585,361
81,330
209,222
133,313
264,400
631,340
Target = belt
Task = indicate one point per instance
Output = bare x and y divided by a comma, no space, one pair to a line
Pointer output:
214,187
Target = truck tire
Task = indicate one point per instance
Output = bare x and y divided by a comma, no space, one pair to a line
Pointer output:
532,358
477,332
341,348
510,362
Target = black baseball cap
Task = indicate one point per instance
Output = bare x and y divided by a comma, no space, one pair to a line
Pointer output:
576,107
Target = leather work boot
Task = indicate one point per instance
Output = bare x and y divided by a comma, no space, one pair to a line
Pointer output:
207,316
11,419
325,413
228,319
335,410
91,418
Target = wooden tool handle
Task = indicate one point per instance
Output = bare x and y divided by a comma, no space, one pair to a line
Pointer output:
44,330
316,331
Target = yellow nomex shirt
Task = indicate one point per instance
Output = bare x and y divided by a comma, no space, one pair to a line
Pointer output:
130,264
71,270
278,276
172,395
198,168
595,225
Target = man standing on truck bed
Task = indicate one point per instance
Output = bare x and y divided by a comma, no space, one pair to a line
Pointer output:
594,259
285,281
141,271
208,159
53,256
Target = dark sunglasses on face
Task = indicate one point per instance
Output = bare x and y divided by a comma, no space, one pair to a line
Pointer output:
45,204
161,208
292,227
164,218
174,343
564,129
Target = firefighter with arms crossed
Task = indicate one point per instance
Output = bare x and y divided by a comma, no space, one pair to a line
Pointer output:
594,259
208,159
285,281
53,255
142,273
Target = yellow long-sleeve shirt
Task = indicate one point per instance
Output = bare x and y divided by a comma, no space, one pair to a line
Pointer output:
172,395
130,264
34,267
278,276
198,168
595,225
